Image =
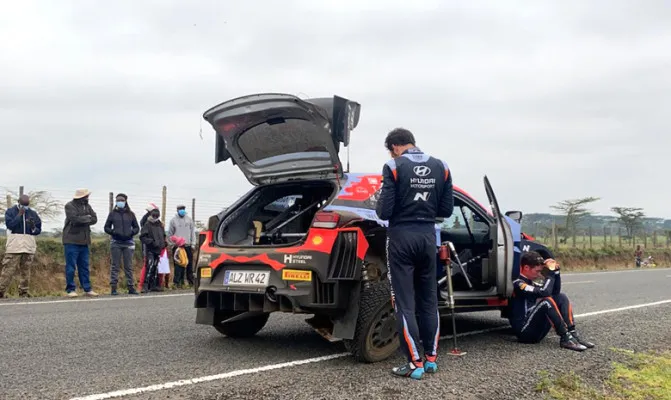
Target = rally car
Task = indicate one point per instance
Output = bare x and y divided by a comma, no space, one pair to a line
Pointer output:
306,238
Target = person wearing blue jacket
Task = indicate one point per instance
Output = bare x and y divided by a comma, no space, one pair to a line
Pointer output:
23,225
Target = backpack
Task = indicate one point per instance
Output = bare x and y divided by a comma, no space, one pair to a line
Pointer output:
180,257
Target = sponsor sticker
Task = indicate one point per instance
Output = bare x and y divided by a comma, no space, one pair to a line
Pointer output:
296,275
297,258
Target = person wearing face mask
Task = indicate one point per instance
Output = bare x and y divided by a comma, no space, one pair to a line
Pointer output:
23,224
153,237
79,217
182,226
122,226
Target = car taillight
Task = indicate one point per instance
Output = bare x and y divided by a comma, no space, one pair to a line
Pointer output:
325,219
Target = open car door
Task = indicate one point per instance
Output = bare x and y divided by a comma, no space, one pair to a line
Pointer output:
505,245
276,137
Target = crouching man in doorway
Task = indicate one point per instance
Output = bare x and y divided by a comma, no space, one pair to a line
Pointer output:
536,308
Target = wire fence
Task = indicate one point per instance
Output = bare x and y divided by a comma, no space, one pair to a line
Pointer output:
600,236
102,202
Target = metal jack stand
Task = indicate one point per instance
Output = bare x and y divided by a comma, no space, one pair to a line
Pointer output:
445,259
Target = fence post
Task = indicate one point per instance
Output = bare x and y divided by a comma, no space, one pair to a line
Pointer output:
9,200
590,236
605,238
111,201
193,209
554,235
20,191
645,239
654,239
619,236
163,203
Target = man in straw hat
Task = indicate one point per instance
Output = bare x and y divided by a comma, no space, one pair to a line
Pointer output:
79,216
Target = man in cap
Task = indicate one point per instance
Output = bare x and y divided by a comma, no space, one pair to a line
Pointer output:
182,225
79,216
23,224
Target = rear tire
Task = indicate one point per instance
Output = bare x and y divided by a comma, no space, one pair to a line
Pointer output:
243,328
375,337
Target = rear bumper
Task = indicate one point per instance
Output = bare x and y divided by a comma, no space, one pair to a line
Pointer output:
319,295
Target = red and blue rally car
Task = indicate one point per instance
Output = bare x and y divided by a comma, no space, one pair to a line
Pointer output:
306,239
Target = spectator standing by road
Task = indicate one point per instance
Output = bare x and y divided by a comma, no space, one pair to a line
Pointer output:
122,226
182,225
180,259
638,256
79,217
143,221
153,237
23,224
416,189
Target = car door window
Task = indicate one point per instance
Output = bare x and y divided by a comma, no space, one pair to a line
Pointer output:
461,216
475,222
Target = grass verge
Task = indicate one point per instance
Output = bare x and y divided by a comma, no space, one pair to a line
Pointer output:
48,272
640,376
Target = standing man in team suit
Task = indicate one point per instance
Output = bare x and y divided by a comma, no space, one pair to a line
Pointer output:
416,189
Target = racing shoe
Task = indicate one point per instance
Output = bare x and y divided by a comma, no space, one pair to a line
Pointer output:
569,342
582,341
430,365
409,371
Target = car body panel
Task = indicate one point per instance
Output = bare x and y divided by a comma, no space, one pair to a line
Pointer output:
275,137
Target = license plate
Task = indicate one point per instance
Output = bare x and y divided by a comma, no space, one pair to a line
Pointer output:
246,278
296,275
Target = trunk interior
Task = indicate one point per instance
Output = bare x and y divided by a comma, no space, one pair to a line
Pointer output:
275,215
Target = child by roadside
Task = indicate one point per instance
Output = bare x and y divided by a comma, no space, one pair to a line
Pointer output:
180,259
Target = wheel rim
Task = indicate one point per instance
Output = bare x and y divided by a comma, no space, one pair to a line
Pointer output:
382,336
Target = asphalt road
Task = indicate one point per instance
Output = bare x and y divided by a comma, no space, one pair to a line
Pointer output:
150,348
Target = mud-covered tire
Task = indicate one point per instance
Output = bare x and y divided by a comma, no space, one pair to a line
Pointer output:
243,328
376,336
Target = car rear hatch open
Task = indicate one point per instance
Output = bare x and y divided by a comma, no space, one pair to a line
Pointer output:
276,137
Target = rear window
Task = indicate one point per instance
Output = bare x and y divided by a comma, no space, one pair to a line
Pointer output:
277,139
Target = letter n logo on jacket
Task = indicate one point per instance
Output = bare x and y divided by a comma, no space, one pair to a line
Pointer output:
424,196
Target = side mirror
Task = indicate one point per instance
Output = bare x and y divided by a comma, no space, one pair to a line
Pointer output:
515,216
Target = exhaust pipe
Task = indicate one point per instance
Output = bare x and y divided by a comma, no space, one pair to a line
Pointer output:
270,294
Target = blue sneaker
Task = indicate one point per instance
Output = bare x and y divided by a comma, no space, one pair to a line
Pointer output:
408,371
430,365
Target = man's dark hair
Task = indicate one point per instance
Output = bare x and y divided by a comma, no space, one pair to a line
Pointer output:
531,258
399,137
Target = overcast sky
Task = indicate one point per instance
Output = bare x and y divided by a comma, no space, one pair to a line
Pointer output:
552,100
